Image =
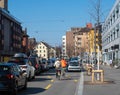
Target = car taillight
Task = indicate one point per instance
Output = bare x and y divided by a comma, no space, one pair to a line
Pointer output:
36,65
9,76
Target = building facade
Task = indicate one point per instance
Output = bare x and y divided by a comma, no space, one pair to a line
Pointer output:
11,34
64,46
111,35
70,41
43,50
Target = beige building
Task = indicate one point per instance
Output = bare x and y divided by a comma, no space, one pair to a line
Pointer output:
77,40
70,41
81,41
4,4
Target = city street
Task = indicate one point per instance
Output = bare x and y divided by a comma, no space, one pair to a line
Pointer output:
47,84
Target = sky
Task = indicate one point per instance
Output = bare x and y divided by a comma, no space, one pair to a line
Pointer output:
49,20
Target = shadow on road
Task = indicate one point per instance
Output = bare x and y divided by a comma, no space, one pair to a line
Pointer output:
31,91
40,79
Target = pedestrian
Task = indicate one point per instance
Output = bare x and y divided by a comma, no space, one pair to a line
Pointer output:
110,63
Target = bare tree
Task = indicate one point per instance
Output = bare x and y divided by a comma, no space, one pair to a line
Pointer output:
96,15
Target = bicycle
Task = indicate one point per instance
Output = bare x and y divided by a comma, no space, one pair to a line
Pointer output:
58,74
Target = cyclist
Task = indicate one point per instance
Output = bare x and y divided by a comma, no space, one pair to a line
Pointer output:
63,66
57,66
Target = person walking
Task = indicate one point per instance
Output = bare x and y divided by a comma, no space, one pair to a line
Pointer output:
110,63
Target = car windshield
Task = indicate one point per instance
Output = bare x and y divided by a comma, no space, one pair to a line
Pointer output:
73,63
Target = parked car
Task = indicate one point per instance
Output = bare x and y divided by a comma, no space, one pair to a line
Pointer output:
35,63
22,55
12,78
44,65
25,65
74,66
50,63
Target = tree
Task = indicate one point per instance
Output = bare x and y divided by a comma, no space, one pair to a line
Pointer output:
96,14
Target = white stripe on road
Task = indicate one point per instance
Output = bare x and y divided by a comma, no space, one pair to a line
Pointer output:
80,86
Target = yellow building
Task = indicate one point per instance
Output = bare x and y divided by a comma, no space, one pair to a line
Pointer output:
92,42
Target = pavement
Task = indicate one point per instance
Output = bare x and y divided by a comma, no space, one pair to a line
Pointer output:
110,86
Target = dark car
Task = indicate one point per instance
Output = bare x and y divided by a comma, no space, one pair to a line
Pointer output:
35,63
12,78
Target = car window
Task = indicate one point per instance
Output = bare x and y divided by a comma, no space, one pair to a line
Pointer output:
74,63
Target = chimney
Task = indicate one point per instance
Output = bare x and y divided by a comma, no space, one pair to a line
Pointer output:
4,4
89,25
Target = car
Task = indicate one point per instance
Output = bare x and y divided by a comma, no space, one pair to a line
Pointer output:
35,63
44,65
12,78
25,65
50,63
74,66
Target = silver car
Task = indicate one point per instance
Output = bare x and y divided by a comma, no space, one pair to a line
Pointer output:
74,66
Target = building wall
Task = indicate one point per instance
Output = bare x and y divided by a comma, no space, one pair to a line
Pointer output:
42,50
10,35
111,34
4,4
64,46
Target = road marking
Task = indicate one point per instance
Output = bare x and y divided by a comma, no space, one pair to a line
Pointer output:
52,80
47,87
49,77
80,86
75,80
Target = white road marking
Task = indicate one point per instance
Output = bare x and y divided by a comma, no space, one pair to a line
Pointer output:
80,86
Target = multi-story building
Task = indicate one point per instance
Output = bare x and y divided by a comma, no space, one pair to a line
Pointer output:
77,40
43,50
70,41
11,33
111,34
64,46
25,42
81,42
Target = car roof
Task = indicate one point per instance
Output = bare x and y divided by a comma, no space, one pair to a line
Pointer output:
6,64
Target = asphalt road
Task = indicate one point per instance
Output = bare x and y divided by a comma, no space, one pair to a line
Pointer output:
47,84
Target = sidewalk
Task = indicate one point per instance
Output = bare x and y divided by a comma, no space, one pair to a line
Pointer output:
111,86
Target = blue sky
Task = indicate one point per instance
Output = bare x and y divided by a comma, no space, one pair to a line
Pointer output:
48,20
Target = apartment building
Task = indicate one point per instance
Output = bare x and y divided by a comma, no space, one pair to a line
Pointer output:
70,41
111,34
11,34
81,42
44,50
